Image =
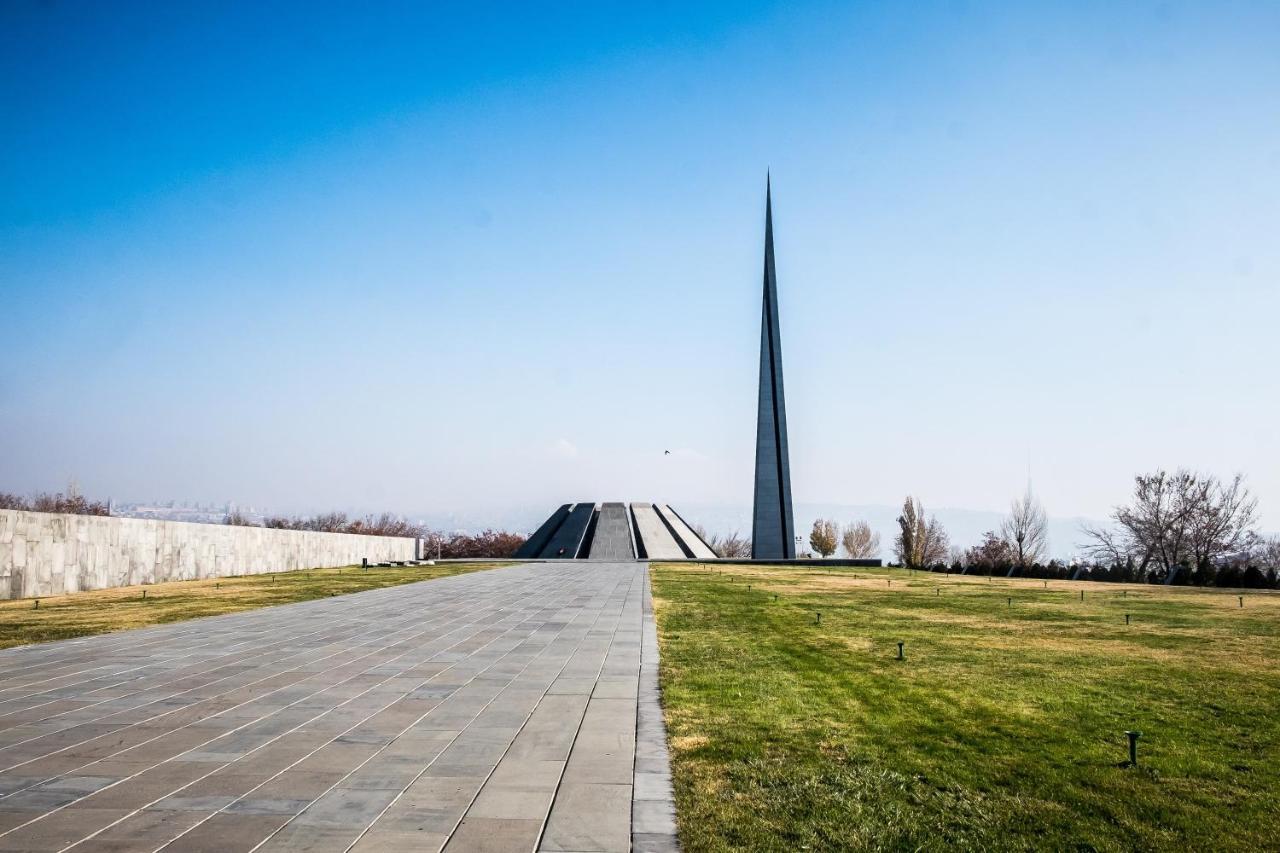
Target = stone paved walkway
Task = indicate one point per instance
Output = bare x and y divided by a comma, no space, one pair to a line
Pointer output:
491,711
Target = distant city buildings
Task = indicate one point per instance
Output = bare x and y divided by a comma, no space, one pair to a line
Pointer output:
205,513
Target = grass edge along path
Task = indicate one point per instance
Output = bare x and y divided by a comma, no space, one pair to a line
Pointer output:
81,614
1003,728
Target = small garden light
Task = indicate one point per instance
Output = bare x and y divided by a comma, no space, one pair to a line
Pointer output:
1133,747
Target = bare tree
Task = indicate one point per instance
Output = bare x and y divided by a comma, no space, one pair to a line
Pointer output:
1177,519
919,543
330,522
1106,545
824,537
1221,518
1026,530
936,544
1264,552
860,541
733,546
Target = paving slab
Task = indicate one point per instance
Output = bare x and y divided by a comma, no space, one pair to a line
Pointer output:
509,709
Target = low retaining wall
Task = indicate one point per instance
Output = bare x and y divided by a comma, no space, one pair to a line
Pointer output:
43,553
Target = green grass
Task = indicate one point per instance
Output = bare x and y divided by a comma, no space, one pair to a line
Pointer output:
65,616
1002,729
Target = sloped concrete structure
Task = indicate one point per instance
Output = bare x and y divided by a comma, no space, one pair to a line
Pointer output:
611,539
533,546
772,527
686,535
653,536
568,539
615,532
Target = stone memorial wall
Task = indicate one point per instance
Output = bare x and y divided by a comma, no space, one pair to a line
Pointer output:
44,554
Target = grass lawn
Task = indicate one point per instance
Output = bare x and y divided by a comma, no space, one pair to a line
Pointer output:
1002,729
100,611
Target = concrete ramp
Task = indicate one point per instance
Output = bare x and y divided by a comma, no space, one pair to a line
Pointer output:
615,532
653,536
568,538
692,542
533,546
612,537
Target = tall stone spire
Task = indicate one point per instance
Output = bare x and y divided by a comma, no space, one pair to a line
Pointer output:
772,528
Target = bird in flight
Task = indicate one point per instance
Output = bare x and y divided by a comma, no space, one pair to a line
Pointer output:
666,453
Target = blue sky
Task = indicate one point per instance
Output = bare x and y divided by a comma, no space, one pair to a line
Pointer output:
397,256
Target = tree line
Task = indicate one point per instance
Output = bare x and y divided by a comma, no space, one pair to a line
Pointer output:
72,502
449,546
1180,527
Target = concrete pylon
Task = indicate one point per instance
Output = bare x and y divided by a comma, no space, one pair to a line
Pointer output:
772,528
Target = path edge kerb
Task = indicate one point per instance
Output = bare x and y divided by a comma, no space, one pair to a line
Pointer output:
653,808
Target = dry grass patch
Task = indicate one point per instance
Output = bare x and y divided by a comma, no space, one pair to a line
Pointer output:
1001,730
101,611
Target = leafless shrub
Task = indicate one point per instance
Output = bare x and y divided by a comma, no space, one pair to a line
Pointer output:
331,522
72,503
238,519
487,543
734,546
384,525
860,541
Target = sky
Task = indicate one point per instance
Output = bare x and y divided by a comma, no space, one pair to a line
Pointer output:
415,257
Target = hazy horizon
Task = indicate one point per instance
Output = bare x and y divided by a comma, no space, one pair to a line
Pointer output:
964,526
443,260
